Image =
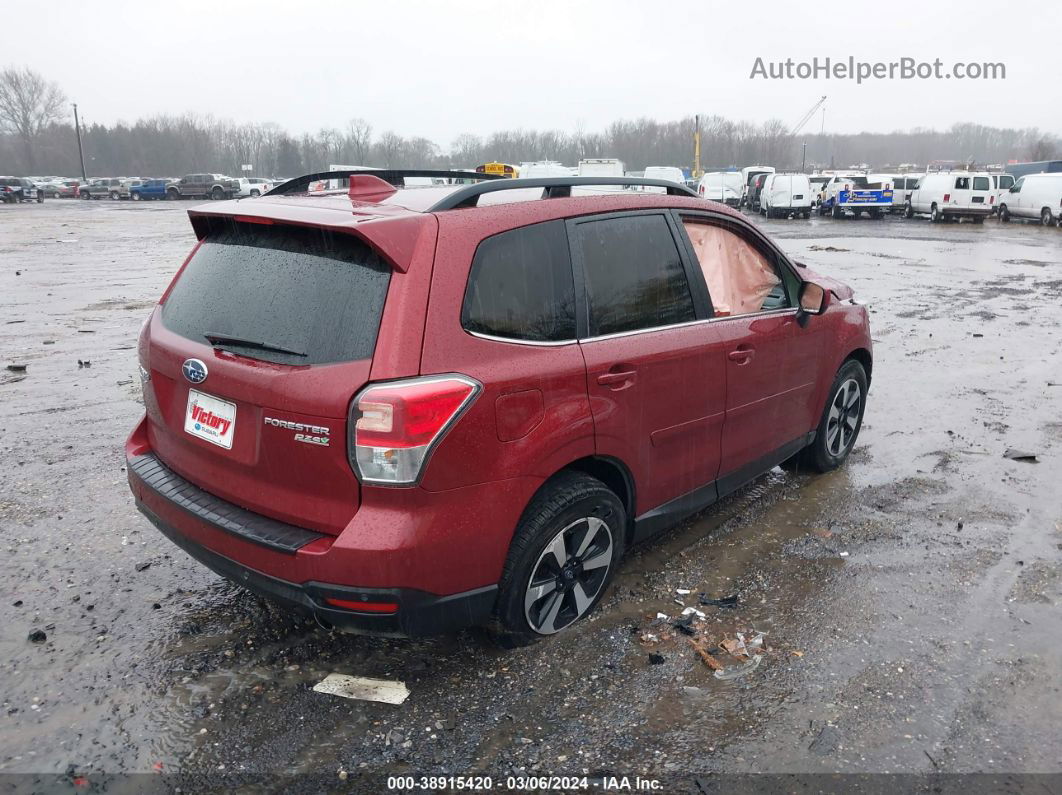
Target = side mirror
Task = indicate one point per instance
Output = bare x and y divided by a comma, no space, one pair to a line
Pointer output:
814,299
1013,189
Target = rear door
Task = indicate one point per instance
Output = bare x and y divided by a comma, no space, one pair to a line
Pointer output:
771,364
653,368
981,192
265,427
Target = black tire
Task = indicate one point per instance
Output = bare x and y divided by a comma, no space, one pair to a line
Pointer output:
1046,219
822,455
908,210
935,215
256,193
837,212
217,194
172,194
563,508
40,198
875,214
1004,214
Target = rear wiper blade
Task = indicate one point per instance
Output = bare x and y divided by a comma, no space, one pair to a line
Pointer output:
225,339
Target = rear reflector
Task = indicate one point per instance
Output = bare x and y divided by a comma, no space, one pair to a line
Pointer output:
363,607
395,426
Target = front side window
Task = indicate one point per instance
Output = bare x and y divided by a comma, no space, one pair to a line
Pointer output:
1006,181
521,286
633,273
1016,187
741,278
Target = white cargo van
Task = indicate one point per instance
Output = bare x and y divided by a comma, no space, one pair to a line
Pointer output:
601,167
545,168
944,195
785,194
1034,196
670,173
721,186
748,174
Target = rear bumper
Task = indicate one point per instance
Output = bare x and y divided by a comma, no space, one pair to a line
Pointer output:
970,212
434,557
417,614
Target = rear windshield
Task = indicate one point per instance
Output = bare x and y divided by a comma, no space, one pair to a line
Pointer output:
305,290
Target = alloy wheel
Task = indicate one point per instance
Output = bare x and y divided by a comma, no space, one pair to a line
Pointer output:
568,575
843,419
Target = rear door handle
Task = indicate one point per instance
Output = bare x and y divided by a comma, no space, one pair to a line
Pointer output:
617,379
741,355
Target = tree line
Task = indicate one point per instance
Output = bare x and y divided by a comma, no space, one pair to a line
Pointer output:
36,137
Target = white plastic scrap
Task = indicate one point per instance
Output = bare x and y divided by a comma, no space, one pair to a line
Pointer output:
363,688
689,610
683,591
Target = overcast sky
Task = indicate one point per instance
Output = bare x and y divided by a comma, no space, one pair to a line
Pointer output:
438,69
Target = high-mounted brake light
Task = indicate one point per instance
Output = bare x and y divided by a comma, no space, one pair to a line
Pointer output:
395,426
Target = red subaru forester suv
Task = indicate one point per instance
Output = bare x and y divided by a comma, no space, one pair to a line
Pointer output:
407,410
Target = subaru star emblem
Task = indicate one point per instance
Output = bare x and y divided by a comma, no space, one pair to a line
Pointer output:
195,371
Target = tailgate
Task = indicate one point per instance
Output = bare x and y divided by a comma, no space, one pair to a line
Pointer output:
253,358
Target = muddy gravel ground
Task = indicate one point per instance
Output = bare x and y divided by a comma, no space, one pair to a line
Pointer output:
910,600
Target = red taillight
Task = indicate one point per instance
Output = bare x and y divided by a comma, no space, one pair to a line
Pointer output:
947,197
363,607
395,426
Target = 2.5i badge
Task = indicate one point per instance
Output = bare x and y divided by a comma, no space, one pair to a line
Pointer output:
210,418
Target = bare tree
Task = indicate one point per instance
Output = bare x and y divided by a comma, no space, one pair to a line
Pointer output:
359,139
28,104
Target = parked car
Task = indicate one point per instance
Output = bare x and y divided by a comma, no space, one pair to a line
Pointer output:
453,433
204,186
150,189
64,189
114,188
1034,196
253,186
748,175
783,195
670,173
753,191
949,195
725,187
19,189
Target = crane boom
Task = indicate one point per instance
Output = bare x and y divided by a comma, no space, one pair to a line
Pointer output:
807,116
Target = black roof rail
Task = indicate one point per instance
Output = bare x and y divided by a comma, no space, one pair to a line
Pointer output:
392,176
553,188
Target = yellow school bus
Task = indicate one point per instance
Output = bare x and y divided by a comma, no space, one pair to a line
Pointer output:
501,169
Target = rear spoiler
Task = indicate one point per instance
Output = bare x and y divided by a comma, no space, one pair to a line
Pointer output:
395,239
391,176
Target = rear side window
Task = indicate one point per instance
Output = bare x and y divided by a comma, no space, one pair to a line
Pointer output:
634,274
308,291
981,183
521,287
962,183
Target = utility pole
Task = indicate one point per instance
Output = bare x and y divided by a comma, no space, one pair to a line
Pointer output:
803,157
697,148
80,149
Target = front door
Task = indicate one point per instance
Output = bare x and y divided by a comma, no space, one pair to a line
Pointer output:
772,363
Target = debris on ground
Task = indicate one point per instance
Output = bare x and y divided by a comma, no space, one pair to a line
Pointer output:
1020,455
693,611
709,660
683,591
363,688
656,659
17,368
38,636
740,670
827,248
144,564
723,601
683,625
85,363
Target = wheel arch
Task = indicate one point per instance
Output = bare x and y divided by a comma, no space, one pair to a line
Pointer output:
864,357
614,473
